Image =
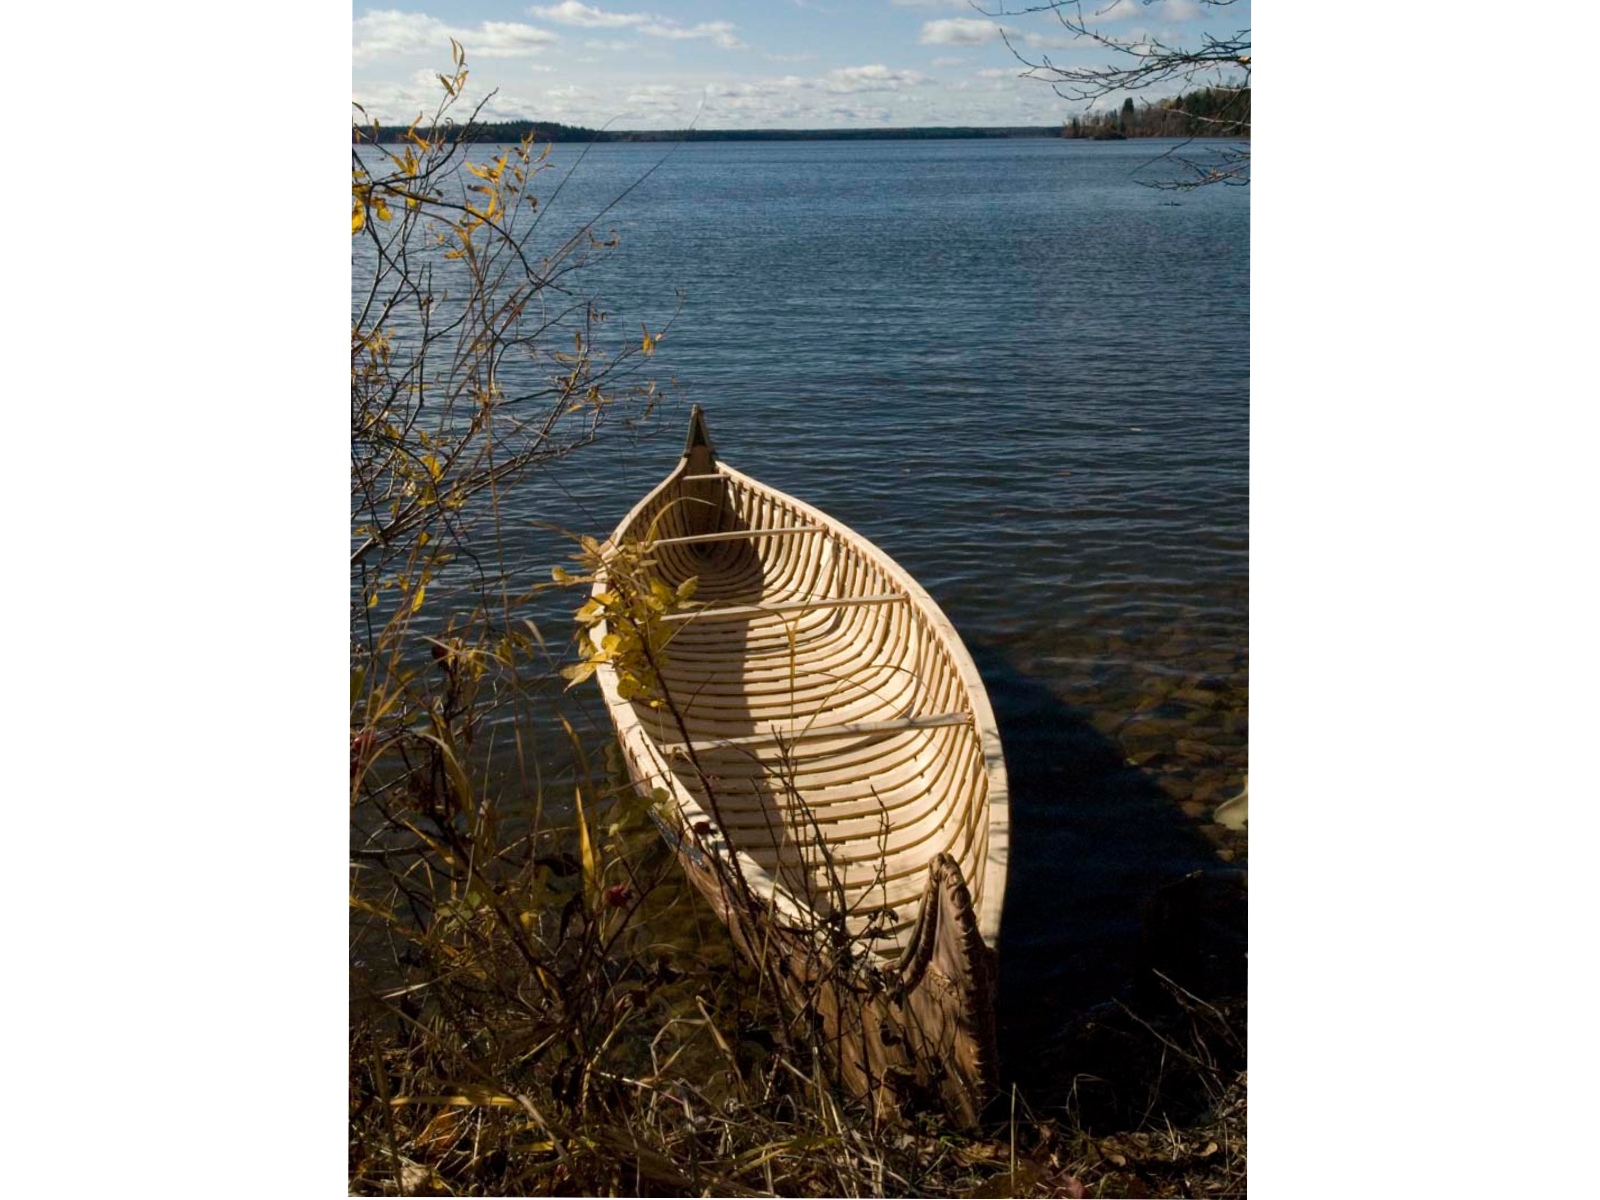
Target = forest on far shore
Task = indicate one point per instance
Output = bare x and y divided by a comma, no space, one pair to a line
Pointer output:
1208,112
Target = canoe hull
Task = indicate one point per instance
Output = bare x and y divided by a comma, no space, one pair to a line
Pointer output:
829,774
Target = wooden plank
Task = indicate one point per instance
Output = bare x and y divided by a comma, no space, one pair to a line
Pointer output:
856,728
741,611
737,535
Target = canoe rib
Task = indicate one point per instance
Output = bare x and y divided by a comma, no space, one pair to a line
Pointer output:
700,615
837,760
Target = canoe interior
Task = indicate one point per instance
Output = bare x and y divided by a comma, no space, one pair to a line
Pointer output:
846,823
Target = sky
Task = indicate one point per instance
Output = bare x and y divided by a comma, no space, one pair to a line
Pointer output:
749,64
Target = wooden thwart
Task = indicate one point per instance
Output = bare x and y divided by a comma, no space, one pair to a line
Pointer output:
741,611
897,725
737,535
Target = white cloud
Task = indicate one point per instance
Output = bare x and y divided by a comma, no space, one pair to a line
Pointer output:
389,33
400,103
873,78
759,89
614,44
845,81
570,12
971,31
720,32
505,106
813,102
848,113
1000,72
1046,40
506,39
1115,10
1094,13
948,60
1121,10
958,31
656,99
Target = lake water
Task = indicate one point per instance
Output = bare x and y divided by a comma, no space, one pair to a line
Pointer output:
1026,377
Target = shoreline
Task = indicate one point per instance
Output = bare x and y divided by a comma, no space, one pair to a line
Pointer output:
513,131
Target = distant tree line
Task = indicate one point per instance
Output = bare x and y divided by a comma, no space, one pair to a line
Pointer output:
1221,111
842,135
511,132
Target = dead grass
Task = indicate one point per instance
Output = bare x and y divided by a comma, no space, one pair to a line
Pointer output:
537,1018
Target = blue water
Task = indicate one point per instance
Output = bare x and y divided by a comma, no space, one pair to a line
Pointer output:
1026,377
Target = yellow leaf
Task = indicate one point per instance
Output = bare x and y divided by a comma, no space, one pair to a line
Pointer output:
591,872
467,1096
416,601
560,575
357,218
577,673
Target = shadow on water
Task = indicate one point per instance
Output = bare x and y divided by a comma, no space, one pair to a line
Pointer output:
1093,839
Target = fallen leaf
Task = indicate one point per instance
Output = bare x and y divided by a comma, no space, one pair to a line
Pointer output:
1011,1183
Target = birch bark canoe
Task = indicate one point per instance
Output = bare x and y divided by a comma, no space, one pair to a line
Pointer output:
834,778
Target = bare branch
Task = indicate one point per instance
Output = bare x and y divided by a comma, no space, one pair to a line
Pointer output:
1215,71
